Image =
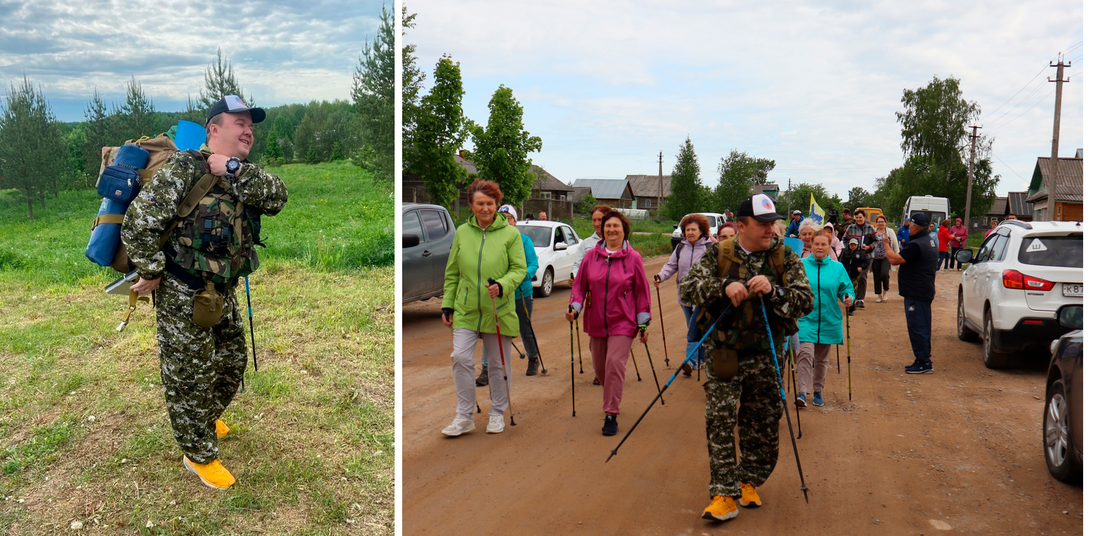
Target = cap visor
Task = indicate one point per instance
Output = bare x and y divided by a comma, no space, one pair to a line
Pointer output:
768,217
258,115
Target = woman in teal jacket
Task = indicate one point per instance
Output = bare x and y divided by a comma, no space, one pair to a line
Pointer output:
484,248
821,328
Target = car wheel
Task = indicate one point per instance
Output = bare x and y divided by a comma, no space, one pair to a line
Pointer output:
547,283
992,359
1057,440
965,334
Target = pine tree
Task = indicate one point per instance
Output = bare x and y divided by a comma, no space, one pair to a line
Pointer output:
220,81
688,193
97,133
32,151
372,92
137,112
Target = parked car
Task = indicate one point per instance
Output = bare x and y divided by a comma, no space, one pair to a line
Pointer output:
1010,294
715,219
1063,415
426,235
557,247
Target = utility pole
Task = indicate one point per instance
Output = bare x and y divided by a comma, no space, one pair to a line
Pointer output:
970,177
788,196
1052,182
660,178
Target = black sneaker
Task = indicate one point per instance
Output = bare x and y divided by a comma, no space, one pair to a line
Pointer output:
919,368
483,380
533,366
610,425
686,368
859,303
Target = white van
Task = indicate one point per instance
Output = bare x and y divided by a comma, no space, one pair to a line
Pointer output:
938,208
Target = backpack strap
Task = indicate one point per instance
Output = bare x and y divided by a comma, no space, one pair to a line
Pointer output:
192,198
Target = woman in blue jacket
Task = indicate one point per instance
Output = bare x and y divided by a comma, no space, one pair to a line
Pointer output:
821,328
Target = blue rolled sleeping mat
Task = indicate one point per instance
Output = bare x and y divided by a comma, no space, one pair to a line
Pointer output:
119,185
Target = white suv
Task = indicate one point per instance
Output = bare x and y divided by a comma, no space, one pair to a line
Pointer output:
1011,292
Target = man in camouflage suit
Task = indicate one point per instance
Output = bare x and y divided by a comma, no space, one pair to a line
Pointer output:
209,248
739,364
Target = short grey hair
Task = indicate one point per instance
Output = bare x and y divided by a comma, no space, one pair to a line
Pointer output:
808,223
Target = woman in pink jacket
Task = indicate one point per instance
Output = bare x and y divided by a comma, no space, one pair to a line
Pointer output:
612,284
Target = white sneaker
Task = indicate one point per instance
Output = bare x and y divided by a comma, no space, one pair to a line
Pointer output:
496,424
879,300
884,298
459,426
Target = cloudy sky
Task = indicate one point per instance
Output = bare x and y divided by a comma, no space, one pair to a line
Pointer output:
282,51
609,85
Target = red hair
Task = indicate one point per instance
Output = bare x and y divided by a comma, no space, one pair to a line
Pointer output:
488,188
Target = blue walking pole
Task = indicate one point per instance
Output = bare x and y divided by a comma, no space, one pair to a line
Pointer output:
248,296
783,396
615,450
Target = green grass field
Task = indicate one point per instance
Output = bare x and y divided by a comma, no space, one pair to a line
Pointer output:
84,436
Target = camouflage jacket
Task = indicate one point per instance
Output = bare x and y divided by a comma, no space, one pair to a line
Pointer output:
156,205
743,328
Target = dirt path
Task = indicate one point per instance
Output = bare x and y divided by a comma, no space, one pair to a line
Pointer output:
957,450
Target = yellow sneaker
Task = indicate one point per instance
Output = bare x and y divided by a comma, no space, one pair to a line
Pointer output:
221,428
722,508
212,474
749,497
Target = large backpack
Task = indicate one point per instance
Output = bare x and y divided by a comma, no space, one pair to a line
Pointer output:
123,171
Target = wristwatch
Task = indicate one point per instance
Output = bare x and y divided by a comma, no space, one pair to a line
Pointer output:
232,167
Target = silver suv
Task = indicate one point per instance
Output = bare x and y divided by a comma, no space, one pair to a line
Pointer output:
1010,294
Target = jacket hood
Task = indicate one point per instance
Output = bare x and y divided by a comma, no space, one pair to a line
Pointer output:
499,222
623,251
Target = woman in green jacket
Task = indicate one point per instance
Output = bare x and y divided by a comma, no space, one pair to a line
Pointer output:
484,248
821,328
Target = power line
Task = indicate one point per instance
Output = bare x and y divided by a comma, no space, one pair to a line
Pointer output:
1009,167
1017,105
1041,71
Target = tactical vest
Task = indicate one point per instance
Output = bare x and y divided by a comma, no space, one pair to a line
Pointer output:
217,240
742,328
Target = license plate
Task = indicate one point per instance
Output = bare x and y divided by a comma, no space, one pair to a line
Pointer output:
1073,289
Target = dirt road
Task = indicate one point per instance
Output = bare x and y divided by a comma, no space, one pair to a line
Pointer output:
957,450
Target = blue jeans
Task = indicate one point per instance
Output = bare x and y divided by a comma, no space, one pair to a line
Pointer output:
944,257
691,314
918,318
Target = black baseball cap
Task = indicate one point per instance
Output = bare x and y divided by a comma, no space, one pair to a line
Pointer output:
759,207
234,104
920,218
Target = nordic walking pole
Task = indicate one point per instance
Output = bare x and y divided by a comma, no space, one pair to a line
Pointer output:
661,315
580,353
848,328
533,337
783,396
503,365
251,330
572,380
615,450
655,382
794,383
635,362
838,348
520,352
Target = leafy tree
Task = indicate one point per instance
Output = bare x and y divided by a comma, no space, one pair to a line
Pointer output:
220,81
372,92
136,114
32,153
412,80
585,205
97,131
934,123
799,197
439,133
501,147
305,139
737,173
688,194
858,197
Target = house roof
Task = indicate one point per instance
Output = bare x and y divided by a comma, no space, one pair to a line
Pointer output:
765,188
546,182
998,208
650,185
579,192
607,188
1018,205
1070,179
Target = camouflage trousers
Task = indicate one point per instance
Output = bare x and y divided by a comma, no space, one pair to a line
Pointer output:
756,423
201,368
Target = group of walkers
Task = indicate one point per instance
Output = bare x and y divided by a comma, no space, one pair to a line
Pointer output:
744,295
